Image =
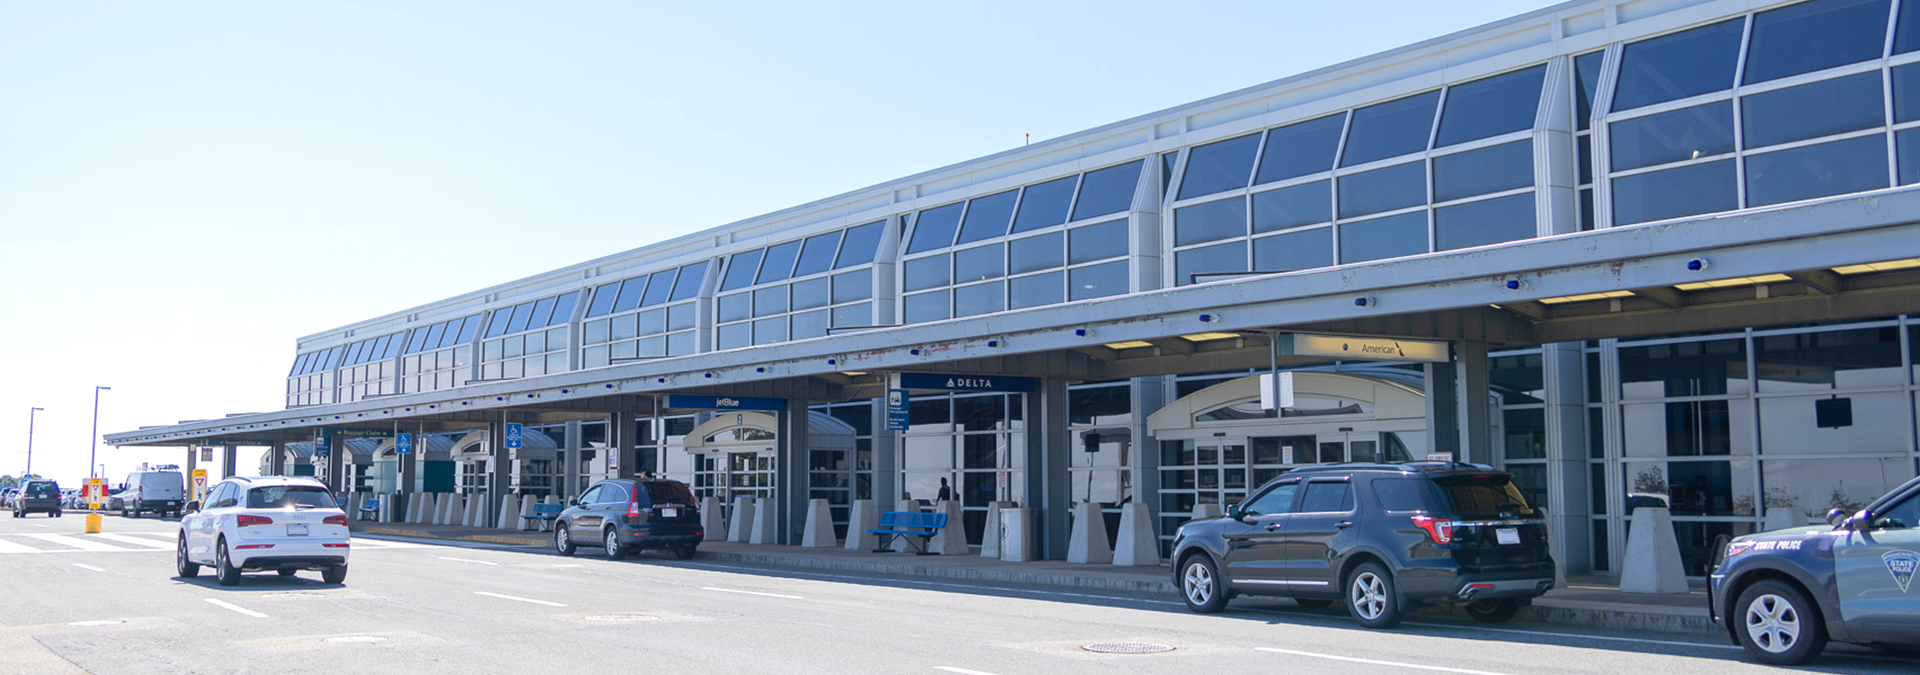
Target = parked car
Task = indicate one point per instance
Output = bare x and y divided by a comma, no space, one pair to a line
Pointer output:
1376,537
37,496
624,515
152,491
1783,594
6,496
275,523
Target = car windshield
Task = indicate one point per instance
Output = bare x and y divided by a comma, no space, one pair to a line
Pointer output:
1484,496
670,492
289,496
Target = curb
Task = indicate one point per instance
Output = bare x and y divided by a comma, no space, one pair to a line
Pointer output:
1090,583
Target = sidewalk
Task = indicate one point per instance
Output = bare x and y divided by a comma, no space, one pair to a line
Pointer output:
1586,601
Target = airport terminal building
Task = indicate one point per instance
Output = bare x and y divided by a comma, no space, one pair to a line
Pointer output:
1626,250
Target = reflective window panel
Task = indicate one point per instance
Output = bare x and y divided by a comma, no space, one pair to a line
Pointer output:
778,264
1394,187
928,272
1097,242
810,293
1218,167
1304,249
1033,254
988,217
688,284
1827,169
1502,167
1390,129
976,264
1097,281
1670,67
1813,110
1488,221
659,288
817,255
1108,190
1907,155
1815,35
1290,207
1389,237
1036,290
603,298
1674,193
851,286
1906,35
979,299
1210,221
1586,73
1301,149
770,301
741,270
1228,257
860,244
1687,133
769,331
935,228
927,307
1045,205
1490,106
734,307
810,324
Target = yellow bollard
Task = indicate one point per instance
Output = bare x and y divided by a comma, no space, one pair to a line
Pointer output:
93,523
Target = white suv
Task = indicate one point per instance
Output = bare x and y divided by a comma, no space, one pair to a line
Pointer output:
272,523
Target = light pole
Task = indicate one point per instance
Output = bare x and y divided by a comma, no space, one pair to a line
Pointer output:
30,441
94,451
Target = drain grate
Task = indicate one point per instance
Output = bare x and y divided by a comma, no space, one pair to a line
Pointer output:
622,617
1127,648
356,638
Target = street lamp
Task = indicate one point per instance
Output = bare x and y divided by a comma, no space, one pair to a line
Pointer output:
30,441
94,452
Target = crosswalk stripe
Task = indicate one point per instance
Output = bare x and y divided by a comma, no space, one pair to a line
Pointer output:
81,543
142,542
10,547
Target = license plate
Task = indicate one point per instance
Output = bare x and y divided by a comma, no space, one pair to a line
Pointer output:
297,530
1507,535
669,512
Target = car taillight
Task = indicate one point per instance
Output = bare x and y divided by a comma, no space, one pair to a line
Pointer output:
633,508
340,520
245,521
1440,529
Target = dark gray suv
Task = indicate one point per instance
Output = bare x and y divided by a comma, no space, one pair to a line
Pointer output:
1378,537
623,515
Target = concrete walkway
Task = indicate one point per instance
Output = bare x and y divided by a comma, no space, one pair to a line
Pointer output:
1593,601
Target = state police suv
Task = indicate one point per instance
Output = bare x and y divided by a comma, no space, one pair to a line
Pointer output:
1783,594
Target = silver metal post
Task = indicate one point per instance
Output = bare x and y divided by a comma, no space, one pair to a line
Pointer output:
93,443
30,413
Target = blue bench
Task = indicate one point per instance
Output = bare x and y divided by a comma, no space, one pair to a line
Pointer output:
544,514
371,509
908,525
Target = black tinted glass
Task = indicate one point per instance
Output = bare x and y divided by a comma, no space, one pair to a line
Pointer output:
1491,106
817,255
1045,205
1687,133
778,263
289,496
1812,110
1814,36
1688,63
935,228
1327,498
1477,172
1906,36
860,245
741,270
1389,237
1401,494
1390,129
1674,193
1824,170
987,217
1488,221
1108,190
1483,496
1304,249
1291,207
1210,221
1218,167
1272,502
1586,71
1301,149
1388,189
661,492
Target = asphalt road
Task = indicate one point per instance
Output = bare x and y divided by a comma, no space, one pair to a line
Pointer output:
109,603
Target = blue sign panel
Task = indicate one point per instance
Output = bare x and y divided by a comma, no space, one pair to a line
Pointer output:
320,447
896,410
513,435
725,403
403,444
947,382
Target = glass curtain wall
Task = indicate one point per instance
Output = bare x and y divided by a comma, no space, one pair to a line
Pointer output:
528,340
647,316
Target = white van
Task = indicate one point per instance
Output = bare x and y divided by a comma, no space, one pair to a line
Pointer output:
152,491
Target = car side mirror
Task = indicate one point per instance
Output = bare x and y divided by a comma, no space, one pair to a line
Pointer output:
1836,516
573,501
1234,512
190,507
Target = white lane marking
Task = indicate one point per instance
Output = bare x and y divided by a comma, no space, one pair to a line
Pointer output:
936,584
10,547
465,560
90,567
80,543
1372,662
1577,636
237,608
569,565
770,595
136,541
509,597
961,671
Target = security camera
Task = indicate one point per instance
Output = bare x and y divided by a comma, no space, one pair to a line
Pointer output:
1697,264
1365,301
1515,284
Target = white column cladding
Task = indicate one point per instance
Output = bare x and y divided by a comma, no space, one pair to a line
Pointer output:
570,460
1563,373
790,462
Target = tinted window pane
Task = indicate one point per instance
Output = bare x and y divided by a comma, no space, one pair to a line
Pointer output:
1301,149
1907,155
860,245
563,308
659,288
1217,167
1291,207
1394,187
1710,368
1840,167
1812,110
976,264
1301,250
927,307
928,272
770,301
542,314
741,269
1676,66
1108,190
810,293
979,299
1389,237
1484,222
1037,290
1586,72
1585,151
851,286
733,336
1036,253
1687,133
987,217
603,299
853,315
1228,257
734,307
1907,35
1477,172
935,228
779,262
1210,221
1390,129
1814,36
497,327
1045,205
810,324
817,255
1686,191
769,331
1096,242
1491,106
688,285
1097,281
518,322
680,317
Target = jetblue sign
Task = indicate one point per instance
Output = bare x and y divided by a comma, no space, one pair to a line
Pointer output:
725,403
948,382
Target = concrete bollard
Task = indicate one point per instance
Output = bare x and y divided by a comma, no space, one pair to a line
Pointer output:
819,531
442,507
1088,542
900,543
387,507
740,526
952,539
990,532
456,509
862,517
713,518
1137,546
1778,519
414,507
526,509
1653,555
765,525
354,502
1205,511
1016,535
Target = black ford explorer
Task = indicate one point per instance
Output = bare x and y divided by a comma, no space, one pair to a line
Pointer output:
1783,594
623,515
1379,538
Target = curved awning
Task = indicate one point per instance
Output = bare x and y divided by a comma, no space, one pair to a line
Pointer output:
758,430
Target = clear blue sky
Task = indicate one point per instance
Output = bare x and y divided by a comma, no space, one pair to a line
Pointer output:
188,187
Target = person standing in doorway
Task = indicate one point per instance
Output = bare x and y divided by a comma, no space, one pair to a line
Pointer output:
946,492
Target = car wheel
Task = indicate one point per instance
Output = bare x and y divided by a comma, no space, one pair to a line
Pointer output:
1778,624
124,513
56,514
685,552
229,575
1493,610
286,573
187,568
336,574
1311,603
1201,585
613,545
562,541
1372,597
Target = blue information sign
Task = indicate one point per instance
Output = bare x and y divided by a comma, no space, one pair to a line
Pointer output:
952,382
320,447
896,410
403,444
513,435
725,403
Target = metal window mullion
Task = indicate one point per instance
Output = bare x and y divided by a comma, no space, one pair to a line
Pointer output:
1886,105
1599,137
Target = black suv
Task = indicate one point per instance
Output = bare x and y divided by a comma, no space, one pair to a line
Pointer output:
41,496
630,514
1378,537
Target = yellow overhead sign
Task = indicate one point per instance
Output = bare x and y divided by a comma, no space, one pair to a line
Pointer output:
1355,347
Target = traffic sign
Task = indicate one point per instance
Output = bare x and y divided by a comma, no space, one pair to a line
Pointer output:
513,435
403,444
199,484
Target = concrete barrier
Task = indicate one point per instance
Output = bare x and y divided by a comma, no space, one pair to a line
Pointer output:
990,533
1780,519
819,531
526,509
443,508
1016,535
388,508
354,501
1205,511
862,517
1137,546
1087,544
713,518
740,525
456,509
1653,555
416,505
765,525
952,539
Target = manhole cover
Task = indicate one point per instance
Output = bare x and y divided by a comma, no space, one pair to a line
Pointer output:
1127,648
357,638
622,617
97,623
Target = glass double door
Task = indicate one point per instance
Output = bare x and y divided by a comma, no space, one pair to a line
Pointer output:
736,473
